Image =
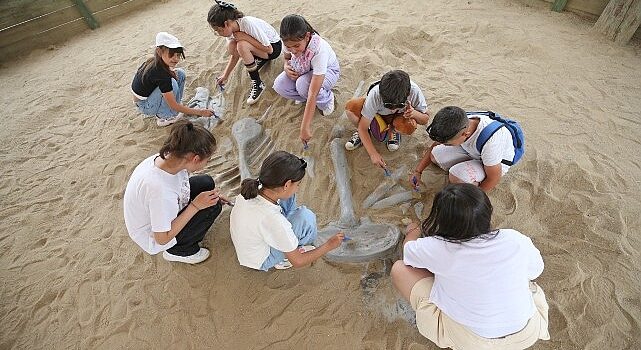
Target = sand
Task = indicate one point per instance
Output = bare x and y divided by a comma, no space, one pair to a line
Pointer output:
70,137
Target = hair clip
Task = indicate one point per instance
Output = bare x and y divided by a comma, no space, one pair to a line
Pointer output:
225,4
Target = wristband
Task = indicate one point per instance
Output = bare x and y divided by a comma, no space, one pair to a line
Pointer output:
192,203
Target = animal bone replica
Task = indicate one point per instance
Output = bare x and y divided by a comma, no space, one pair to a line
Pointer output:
367,240
254,146
216,104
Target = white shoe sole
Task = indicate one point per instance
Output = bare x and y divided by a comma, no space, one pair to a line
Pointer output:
199,257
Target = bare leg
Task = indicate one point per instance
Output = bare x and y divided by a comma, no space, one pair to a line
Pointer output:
247,51
405,277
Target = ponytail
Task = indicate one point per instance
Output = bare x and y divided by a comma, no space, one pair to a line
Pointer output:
185,138
295,27
249,188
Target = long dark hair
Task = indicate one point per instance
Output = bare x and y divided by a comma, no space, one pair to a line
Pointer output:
221,12
295,27
185,137
278,168
157,61
460,212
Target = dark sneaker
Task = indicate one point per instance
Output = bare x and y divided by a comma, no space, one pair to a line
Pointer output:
257,88
393,140
353,142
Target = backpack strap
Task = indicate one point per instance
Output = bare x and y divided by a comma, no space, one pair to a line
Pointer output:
372,86
485,135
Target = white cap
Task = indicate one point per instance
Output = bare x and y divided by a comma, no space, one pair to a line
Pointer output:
167,40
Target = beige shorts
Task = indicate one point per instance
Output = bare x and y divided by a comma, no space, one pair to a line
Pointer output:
459,163
447,333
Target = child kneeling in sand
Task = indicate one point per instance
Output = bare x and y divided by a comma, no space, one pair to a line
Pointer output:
471,286
165,209
394,104
469,152
158,85
310,72
249,39
267,228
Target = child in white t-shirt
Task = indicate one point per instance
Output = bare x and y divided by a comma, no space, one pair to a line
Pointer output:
311,70
470,285
249,39
267,228
165,209
455,134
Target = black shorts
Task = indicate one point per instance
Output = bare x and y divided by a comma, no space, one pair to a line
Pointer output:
277,47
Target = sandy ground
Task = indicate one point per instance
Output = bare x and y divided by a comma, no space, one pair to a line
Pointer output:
70,137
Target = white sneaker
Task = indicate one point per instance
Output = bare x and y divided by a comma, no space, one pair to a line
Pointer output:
255,92
329,109
283,265
297,102
200,256
166,122
393,141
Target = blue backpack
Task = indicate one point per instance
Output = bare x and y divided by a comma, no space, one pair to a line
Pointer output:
518,140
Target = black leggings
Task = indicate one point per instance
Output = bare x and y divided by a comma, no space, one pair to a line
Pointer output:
195,230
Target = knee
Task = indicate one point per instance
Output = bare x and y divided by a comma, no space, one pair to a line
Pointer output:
202,182
180,73
232,48
397,269
307,217
280,83
302,87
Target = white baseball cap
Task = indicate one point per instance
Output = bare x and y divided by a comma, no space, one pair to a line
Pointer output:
167,40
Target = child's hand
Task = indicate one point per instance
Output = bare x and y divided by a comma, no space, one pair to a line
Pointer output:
221,80
290,72
305,134
335,241
205,112
206,199
377,159
415,180
225,200
409,110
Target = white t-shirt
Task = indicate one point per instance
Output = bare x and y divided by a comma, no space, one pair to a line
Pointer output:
257,224
324,56
257,29
374,102
482,284
497,148
152,200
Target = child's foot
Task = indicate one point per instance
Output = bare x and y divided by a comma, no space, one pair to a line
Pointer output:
393,141
200,256
329,109
257,88
168,121
283,265
354,142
